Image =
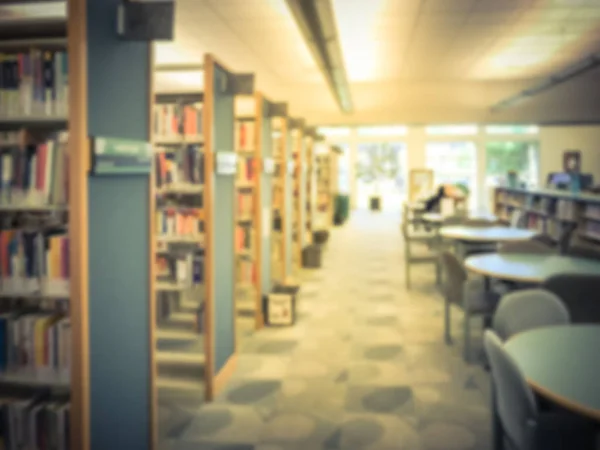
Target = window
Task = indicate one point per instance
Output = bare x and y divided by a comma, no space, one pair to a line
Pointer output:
381,172
451,130
512,129
392,130
333,131
520,157
454,163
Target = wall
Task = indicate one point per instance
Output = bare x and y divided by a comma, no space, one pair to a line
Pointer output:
553,141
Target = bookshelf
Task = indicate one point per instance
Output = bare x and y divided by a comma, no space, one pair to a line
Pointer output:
180,353
309,187
43,283
296,127
248,143
324,162
282,199
194,133
552,213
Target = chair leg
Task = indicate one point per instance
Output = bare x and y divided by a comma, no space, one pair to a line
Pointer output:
467,337
447,322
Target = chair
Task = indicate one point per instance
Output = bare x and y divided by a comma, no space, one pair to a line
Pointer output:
419,248
522,424
467,294
579,293
528,309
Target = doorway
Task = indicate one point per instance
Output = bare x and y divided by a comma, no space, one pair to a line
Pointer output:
381,172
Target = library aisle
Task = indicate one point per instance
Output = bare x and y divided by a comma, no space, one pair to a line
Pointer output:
365,367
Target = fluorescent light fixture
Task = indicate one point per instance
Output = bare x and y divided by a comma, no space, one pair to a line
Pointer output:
316,21
512,129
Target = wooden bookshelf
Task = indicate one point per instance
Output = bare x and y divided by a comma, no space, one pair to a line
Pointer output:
50,291
309,187
179,241
552,213
248,144
298,193
282,200
324,161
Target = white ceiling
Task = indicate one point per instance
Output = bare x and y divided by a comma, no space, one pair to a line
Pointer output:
407,60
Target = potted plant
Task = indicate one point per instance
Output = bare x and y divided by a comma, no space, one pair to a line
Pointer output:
377,164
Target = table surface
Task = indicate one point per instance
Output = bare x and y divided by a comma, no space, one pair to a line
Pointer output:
439,218
487,234
529,267
562,364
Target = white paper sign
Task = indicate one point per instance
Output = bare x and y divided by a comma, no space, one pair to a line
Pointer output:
291,167
269,166
226,163
280,309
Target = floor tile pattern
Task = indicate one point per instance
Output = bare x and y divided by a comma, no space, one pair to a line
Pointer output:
365,367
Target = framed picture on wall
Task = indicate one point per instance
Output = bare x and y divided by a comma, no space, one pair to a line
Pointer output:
572,161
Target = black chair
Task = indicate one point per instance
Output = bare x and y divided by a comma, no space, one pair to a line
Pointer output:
579,293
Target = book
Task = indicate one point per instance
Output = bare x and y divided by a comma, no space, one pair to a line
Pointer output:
34,83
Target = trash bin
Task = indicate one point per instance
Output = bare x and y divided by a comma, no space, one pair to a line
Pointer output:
311,257
280,306
320,237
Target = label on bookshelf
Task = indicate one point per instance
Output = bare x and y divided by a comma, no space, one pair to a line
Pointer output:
112,156
226,163
269,166
290,167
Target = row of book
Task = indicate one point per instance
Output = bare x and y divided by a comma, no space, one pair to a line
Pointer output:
174,120
245,204
34,423
184,270
186,166
178,222
245,136
544,225
592,211
35,344
34,262
245,272
592,229
34,83
33,174
244,237
246,170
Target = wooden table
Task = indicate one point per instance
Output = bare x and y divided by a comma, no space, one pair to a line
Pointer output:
486,235
561,363
529,268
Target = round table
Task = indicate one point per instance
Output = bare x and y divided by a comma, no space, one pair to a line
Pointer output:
528,267
486,235
437,218
561,363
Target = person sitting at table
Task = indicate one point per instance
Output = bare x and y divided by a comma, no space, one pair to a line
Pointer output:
444,191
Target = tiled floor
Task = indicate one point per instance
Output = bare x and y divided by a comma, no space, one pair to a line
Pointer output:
365,367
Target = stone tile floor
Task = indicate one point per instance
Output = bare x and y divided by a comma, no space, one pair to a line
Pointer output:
365,367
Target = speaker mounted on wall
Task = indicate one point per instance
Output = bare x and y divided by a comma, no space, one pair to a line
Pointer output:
148,20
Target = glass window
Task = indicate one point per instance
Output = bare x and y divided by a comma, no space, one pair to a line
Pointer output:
391,130
520,157
512,129
454,163
333,131
451,130
381,172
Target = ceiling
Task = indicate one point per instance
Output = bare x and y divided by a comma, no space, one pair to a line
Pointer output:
408,61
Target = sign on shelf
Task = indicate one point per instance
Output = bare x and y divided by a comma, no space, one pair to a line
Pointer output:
226,163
